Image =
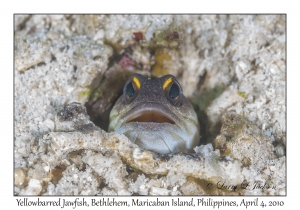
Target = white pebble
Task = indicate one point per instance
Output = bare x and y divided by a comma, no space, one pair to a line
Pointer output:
46,168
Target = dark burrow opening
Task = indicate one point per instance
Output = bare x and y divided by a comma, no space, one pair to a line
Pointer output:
110,89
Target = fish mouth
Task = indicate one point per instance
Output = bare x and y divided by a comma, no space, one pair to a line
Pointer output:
154,126
150,116
151,112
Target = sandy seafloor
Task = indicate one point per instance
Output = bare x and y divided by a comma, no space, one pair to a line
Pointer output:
242,57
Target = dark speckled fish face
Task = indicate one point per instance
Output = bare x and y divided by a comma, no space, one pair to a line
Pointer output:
155,115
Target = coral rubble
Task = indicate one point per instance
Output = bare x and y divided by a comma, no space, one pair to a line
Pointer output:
231,67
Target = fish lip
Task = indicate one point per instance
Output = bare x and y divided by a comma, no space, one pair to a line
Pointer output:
150,107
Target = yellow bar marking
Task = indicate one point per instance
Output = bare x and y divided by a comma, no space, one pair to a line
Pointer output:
167,82
136,82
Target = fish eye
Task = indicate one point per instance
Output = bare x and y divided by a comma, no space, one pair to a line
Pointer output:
130,90
174,91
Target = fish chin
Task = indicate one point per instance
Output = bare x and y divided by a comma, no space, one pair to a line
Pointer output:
163,138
